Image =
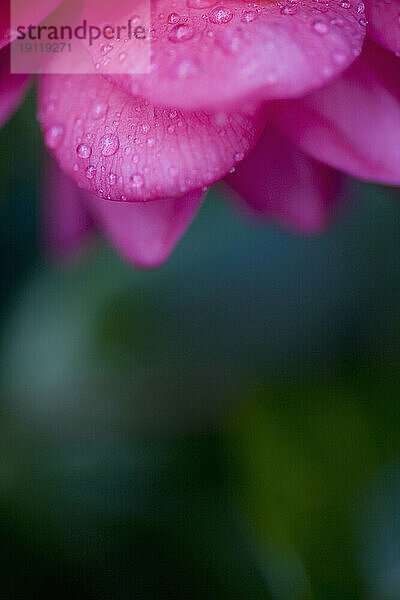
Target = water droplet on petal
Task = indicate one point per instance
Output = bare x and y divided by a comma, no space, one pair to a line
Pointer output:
320,27
186,68
99,110
221,14
181,33
54,136
289,10
173,18
106,48
109,144
90,172
248,16
84,151
137,181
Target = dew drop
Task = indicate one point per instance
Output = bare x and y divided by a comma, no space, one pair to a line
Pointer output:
99,110
181,33
186,68
137,181
173,18
90,172
109,144
221,14
54,136
248,16
106,48
320,27
288,10
84,151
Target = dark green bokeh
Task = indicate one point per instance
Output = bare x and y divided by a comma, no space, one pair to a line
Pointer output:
224,427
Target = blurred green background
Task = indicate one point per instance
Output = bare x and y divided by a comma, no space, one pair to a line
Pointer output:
224,427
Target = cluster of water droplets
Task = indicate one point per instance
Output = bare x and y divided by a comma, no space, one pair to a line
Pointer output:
336,17
203,23
123,166
141,147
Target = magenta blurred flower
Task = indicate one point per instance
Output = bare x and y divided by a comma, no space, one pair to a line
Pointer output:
276,98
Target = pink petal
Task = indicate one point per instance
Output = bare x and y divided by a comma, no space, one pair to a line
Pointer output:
123,148
207,55
5,34
66,222
145,234
353,124
384,23
111,13
12,87
30,12
277,181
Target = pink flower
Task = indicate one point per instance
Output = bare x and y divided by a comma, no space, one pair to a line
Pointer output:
276,98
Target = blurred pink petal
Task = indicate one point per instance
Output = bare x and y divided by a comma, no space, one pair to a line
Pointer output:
112,13
145,233
28,12
384,23
5,33
122,148
207,55
354,123
277,181
66,221
12,87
